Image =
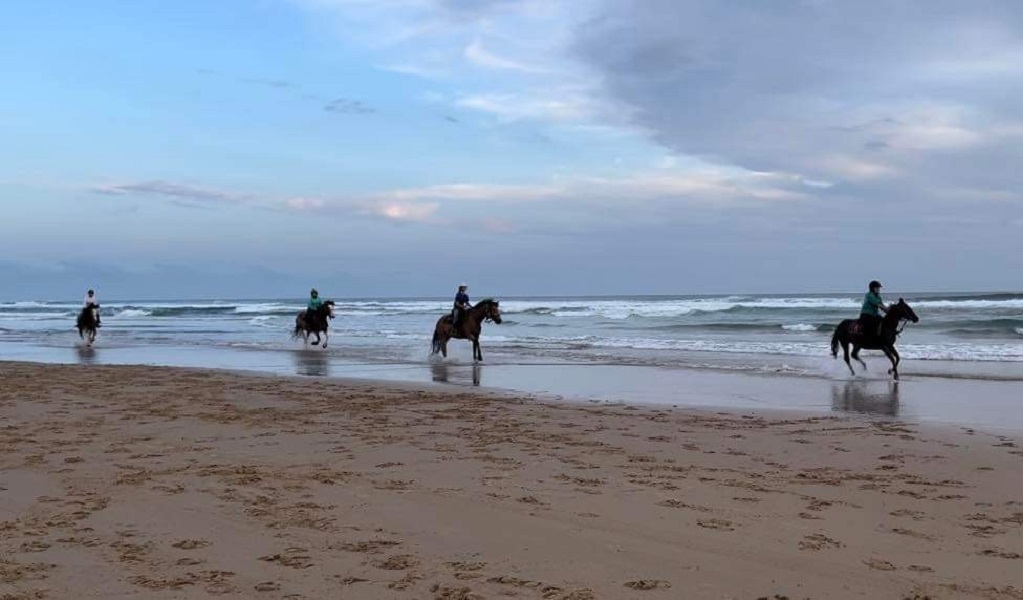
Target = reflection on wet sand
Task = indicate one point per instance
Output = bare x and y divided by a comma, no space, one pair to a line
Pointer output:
312,363
86,355
876,398
442,373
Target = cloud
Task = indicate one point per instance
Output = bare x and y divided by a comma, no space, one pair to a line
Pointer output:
861,92
480,56
564,105
518,42
347,106
273,83
605,197
166,189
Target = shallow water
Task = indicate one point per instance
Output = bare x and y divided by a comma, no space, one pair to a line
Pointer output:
984,403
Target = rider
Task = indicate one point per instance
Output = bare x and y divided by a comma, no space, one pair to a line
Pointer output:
873,306
461,305
92,302
314,305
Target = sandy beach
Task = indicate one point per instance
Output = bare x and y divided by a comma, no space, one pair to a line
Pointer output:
146,482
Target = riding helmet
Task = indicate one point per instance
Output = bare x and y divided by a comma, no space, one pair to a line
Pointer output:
875,284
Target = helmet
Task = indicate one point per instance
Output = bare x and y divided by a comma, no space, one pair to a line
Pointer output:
462,285
313,292
91,292
875,284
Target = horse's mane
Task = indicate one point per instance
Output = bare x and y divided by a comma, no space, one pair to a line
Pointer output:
487,301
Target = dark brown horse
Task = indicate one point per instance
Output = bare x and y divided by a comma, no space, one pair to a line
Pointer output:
849,333
314,323
469,327
86,323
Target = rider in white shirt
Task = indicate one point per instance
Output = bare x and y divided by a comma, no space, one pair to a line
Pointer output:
92,301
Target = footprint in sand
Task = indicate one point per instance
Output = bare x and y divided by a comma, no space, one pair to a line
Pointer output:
879,565
818,542
191,544
368,546
292,557
34,546
648,584
268,586
1001,554
398,562
718,524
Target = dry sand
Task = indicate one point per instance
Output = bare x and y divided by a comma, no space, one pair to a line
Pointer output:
140,482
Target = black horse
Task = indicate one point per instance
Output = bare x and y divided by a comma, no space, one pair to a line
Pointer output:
849,332
469,327
87,321
313,323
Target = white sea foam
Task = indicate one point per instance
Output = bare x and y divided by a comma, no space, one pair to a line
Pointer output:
132,313
258,309
800,327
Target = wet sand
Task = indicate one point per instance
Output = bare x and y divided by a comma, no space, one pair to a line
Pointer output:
145,482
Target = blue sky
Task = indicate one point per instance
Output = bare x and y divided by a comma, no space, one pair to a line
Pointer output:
587,147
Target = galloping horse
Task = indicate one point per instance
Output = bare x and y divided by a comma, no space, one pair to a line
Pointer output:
469,327
86,324
313,323
849,333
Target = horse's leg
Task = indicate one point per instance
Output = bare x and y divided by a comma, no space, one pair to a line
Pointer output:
326,336
856,355
477,355
317,334
845,354
894,357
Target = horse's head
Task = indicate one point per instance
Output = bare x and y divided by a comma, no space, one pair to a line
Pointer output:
328,308
491,310
904,311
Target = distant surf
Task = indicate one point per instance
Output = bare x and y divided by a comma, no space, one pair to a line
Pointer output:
659,330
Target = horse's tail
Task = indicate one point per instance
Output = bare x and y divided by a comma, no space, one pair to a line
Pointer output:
834,342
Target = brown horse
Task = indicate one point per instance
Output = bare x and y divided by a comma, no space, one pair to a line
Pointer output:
86,323
849,333
313,323
469,327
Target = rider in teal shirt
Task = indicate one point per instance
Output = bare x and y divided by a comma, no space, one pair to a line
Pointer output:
873,306
315,303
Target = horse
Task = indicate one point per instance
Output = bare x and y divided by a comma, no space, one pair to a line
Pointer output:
86,323
848,333
469,327
314,323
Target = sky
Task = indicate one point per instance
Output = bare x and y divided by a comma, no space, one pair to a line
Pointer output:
192,149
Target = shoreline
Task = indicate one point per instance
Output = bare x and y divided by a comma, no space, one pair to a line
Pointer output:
161,482
993,404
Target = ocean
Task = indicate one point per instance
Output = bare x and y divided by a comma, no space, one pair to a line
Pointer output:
958,336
